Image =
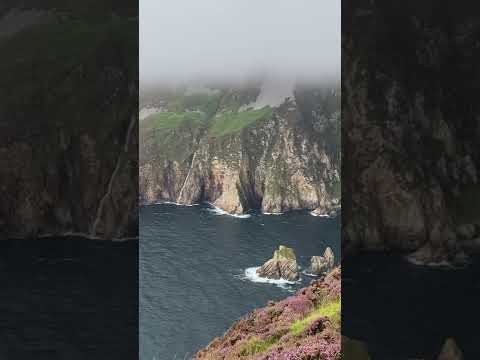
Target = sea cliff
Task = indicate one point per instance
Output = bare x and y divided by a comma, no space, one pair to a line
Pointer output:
243,148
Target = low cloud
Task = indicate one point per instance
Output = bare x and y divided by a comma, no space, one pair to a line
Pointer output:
229,40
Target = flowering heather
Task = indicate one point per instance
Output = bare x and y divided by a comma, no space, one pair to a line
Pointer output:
305,326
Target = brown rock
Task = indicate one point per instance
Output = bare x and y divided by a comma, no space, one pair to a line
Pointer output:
322,264
283,265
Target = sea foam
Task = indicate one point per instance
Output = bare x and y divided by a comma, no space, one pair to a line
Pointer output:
217,211
251,274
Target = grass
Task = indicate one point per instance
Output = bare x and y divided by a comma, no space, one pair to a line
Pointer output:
171,120
232,122
330,310
256,345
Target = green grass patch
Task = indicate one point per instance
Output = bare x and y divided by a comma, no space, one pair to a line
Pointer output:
171,120
330,310
233,122
256,345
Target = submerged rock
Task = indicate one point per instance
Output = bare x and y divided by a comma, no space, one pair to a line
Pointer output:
283,265
450,351
322,264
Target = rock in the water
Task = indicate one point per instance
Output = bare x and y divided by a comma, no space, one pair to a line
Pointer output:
450,351
283,265
322,264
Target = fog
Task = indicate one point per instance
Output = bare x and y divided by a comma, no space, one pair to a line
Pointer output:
231,40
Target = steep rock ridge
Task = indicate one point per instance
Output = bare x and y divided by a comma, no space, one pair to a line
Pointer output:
412,124
221,148
68,148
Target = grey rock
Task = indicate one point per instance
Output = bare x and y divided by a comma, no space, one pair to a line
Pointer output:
322,264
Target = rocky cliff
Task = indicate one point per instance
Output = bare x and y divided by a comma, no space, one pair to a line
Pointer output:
411,128
68,120
260,146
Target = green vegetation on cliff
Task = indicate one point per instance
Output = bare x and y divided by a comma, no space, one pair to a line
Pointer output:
171,120
233,122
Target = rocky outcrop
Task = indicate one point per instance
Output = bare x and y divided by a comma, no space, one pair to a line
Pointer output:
322,264
411,126
283,265
69,129
225,150
303,326
450,351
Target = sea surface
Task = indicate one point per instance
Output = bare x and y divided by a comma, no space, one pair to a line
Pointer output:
194,266
68,298
406,311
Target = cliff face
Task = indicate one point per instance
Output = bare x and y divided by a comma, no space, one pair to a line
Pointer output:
69,127
303,326
242,149
411,133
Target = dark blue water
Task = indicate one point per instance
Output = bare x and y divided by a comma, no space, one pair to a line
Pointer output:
192,263
405,311
68,298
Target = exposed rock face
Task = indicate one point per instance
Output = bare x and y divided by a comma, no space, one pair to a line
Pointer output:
283,265
226,151
322,264
68,139
274,332
411,126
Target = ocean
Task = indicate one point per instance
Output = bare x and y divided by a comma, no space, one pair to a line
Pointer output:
197,270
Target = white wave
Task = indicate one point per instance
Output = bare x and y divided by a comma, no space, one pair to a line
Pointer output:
251,274
443,263
309,274
217,211
268,213
173,203
313,213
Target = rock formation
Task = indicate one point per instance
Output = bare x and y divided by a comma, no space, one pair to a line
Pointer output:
283,265
322,264
221,147
303,326
69,128
450,351
411,128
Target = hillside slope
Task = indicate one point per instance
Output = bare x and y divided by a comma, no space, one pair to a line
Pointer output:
303,326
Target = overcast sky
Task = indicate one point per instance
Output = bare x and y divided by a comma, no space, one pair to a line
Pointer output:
229,39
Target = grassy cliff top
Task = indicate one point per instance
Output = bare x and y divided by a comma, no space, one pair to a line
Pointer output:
233,122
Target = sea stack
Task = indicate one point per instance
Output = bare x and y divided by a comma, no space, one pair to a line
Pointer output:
322,264
283,265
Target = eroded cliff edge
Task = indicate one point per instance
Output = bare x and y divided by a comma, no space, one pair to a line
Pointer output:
68,120
233,148
411,131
